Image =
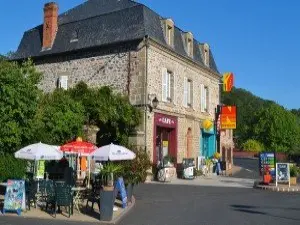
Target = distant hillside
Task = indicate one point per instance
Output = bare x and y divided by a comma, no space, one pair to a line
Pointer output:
249,117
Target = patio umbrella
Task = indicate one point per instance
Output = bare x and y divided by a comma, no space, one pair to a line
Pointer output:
39,151
79,148
113,153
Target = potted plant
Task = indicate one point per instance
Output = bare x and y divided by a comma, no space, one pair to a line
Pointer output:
294,171
136,171
107,194
267,176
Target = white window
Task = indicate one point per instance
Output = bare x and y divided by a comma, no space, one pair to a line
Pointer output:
188,92
63,82
167,78
204,98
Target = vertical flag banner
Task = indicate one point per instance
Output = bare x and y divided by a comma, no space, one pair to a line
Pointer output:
228,117
228,80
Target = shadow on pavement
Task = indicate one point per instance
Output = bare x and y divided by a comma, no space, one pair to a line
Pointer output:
250,209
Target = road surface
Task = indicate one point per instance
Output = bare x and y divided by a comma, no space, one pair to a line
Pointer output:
249,168
197,205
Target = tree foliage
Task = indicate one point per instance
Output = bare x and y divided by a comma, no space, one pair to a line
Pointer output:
277,128
111,112
11,168
247,105
19,98
59,118
265,121
252,145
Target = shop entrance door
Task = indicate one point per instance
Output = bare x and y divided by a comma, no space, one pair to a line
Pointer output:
205,145
163,143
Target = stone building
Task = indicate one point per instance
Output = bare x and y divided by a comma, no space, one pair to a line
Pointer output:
126,45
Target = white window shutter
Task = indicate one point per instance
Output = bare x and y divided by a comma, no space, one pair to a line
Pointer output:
169,85
193,95
174,89
63,82
208,99
202,102
164,85
185,92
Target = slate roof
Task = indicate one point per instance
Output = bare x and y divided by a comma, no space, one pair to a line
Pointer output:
104,22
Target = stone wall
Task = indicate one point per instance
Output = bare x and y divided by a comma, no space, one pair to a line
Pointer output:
187,117
118,68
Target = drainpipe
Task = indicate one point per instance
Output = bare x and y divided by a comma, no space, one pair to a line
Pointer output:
146,41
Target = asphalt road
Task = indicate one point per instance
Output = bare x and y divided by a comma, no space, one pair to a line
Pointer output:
249,168
196,205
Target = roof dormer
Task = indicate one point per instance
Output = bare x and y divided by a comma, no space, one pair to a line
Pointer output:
189,43
206,54
168,26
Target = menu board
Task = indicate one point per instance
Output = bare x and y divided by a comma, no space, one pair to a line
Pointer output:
14,196
120,187
267,159
282,173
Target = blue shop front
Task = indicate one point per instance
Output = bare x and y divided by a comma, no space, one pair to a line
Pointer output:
207,141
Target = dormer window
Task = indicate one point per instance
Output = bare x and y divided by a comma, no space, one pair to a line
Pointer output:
168,26
189,40
206,54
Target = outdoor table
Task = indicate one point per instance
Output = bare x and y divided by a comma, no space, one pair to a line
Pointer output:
77,196
3,184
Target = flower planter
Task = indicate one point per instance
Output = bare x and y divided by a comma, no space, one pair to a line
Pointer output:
293,180
107,196
129,190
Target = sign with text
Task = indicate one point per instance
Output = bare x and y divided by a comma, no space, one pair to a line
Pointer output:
228,117
14,196
40,169
120,187
282,173
165,120
228,80
267,161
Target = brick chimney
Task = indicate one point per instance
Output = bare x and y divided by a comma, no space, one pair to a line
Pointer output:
50,24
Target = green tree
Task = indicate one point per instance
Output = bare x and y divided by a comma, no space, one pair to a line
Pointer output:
59,118
19,97
252,145
277,128
111,112
247,105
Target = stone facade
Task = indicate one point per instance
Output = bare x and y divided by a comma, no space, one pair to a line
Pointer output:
187,117
136,70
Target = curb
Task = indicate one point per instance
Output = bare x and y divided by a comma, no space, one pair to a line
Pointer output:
122,215
276,189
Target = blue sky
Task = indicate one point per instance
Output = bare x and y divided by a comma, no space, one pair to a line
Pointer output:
259,41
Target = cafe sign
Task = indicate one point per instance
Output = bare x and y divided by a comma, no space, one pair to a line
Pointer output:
228,117
165,120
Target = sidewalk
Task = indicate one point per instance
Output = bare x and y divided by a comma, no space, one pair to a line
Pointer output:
86,215
213,181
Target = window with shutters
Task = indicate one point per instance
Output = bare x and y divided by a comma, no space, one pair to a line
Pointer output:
188,92
167,86
204,103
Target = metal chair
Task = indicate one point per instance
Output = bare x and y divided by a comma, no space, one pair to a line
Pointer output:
94,195
31,191
63,196
50,195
